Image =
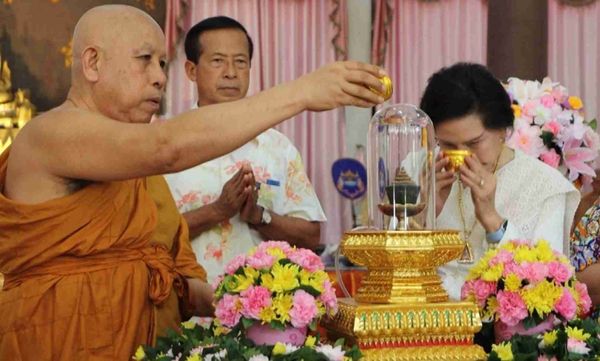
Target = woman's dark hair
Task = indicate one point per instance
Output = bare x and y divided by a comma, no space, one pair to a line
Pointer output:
464,89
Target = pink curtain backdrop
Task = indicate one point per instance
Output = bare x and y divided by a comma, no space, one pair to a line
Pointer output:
425,36
291,38
382,19
574,50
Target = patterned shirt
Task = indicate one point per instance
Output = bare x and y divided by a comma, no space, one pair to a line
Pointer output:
585,249
284,189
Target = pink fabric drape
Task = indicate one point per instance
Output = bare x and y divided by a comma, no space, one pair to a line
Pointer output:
425,36
291,38
382,20
574,50
339,20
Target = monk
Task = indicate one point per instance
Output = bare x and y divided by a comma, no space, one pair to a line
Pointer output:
91,269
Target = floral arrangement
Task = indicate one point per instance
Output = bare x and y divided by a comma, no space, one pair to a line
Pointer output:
575,340
274,284
549,125
212,342
525,283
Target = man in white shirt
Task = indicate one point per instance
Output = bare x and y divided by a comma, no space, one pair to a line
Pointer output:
225,216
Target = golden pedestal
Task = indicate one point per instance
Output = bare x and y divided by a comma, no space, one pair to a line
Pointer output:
401,310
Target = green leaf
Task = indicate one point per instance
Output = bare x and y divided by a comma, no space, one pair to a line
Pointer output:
247,322
593,124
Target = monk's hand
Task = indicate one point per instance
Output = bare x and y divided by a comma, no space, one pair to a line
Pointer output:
251,212
234,193
200,297
443,181
483,191
341,83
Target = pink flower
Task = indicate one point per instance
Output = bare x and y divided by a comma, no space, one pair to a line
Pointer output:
533,271
584,297
284,246
216,281
576,346
529,108
551,158
559,271
483,290
254,299
260,259
511,308
576,158
467,289
304,309
527,139
228,310
566,305
544,358
233,265
332,353
591,139
328,297
511,267
307,259
502,257
547,100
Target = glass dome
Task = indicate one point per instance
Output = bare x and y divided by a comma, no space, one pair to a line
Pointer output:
400,169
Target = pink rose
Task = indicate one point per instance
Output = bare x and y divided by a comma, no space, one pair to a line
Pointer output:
307,259
566,305
254,299
304,309
511,307
511,267
228,310
233,265
260,260
584,297
559,271
551,158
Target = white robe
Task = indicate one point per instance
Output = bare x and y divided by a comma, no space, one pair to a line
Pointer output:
538,201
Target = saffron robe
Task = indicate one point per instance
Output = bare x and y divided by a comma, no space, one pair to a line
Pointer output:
91,275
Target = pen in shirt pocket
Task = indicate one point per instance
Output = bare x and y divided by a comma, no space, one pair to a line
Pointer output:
270,182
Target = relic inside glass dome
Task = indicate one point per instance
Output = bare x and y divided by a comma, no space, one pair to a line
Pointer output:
400,150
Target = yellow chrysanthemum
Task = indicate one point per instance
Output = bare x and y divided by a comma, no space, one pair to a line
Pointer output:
267,314
279,349
266,280
524,254
575,102
577,333
317,280
277,253
194,357
516,110
282,304
490,311
188,324
544,251
494,273
504,351
285,277
240,283
310,341
542,297
512,282
549,338
139,354
305,277
477,270
251,273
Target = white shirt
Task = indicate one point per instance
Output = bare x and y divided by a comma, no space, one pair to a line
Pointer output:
285,190
536,199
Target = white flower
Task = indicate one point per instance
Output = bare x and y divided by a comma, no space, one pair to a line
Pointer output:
259,358
219,356
332,353
522,91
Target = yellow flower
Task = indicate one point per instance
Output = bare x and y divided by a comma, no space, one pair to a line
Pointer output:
550,338
318,280
516,110
504,351
241,283
310,341
139,354
266,280
277,253
575,102
577,333
279,349
480,267
494,273
490,310
542,297
524,254
251,273
512,282
285,278
282,304
188,324
267,314
194,357
544,251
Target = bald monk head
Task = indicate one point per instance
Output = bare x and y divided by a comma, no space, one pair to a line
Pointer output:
119,63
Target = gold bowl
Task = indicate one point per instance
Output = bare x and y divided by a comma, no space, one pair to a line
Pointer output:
456,157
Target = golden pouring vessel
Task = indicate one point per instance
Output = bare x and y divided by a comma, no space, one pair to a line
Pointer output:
456,158
388,88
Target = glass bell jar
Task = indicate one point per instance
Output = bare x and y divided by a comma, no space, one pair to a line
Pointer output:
400,150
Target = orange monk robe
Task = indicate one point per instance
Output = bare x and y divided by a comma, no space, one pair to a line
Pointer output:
90,276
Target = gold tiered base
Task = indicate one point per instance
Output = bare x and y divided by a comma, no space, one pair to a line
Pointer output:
402,265
410,331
